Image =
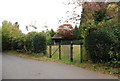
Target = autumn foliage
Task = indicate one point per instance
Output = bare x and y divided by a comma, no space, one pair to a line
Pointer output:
65,30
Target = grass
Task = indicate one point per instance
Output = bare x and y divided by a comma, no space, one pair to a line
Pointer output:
65,52
65,59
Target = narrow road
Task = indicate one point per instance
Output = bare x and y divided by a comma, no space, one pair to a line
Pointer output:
20,68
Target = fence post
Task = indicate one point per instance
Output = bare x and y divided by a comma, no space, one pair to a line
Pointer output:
71,51
50,47
81,56
60,50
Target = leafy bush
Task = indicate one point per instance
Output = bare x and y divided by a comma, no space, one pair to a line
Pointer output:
29,41
18,43
103,45
32,42
6,39
99,15
98,45
13,38
84,28
39,43
8,32
49,40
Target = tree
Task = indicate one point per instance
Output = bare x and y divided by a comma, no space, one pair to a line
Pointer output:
49,35
51,32
65,30
95,14
9,31
98,11
89,8
76,32
99,16
72,16
16,24
6,37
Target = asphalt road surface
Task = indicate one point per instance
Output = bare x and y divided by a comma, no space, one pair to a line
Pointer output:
20,68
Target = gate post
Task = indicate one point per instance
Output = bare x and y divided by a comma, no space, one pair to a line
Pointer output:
60,50
81,55
71,51
50,47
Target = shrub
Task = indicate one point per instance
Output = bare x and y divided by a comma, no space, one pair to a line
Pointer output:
98,45
18,43
86,27
6,39
103,45
8,32
29,41
32,42
39,43
49,39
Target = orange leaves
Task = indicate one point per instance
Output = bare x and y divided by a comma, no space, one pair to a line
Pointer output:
65,27
68,25
66,30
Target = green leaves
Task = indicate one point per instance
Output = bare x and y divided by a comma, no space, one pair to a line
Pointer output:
39,43
32,42
76,33
9,31
103,44
99,16
12,38
51,32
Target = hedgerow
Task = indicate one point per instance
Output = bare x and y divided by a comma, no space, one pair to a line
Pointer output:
103,45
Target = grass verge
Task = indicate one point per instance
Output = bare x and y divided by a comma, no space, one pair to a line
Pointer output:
86,65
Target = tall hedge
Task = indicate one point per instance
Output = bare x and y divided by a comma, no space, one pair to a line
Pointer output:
103,44
9,31
29,41
18,43
98,45
32,42
39,43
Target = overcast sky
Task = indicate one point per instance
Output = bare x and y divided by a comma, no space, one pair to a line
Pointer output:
35,12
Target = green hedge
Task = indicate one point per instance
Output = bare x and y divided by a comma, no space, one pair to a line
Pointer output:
103,45
9,31
18,43
39,43
13,38
32,42
98,45
29,41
